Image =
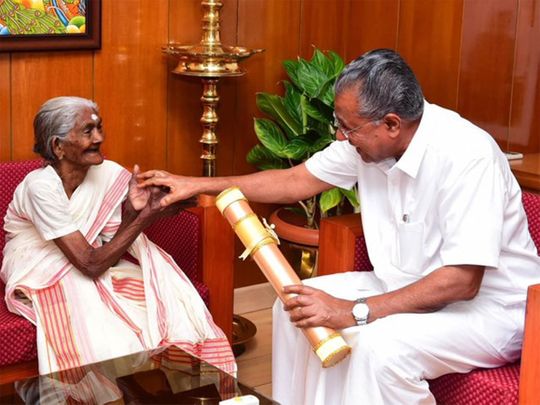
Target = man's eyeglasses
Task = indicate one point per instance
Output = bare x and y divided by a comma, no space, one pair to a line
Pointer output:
348,132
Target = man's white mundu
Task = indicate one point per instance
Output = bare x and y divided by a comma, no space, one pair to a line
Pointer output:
261,244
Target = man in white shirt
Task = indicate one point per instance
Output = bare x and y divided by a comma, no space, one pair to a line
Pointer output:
445,230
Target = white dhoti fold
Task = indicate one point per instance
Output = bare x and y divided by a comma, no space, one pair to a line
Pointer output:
391,357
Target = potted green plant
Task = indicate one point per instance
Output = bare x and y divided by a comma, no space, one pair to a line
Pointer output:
299,124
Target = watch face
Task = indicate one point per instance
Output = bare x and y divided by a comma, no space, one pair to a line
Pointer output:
360,311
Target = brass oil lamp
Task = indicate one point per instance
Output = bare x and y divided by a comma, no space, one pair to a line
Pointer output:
209,60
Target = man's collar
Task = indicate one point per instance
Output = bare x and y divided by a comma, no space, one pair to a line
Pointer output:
412,158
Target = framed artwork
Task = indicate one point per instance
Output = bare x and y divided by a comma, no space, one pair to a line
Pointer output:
45,25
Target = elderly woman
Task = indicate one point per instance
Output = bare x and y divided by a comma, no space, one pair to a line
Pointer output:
67,228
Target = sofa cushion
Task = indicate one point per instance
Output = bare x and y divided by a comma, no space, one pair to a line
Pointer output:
531,203
180,236
17,336
361,258
496,386
11,174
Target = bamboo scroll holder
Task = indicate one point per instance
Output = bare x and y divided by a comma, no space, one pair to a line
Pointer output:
261,245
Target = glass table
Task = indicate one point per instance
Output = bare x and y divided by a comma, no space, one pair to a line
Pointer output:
166,375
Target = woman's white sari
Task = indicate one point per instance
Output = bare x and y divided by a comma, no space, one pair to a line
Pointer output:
129,308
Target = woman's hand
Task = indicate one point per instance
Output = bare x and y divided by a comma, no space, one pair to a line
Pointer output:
313,307
153,209
137,196
179,187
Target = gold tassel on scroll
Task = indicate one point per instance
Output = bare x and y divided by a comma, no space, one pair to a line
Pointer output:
261,244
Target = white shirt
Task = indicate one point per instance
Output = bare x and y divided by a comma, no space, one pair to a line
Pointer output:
451,199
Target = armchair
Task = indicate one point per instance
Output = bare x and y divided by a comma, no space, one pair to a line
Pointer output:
198,239
342,248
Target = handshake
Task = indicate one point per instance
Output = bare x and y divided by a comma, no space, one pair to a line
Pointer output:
152,191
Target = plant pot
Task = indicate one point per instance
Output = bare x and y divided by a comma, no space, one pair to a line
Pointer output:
300,245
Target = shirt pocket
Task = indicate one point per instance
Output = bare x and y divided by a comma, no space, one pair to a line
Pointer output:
411,247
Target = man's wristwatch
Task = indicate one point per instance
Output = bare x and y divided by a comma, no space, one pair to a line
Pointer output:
360,311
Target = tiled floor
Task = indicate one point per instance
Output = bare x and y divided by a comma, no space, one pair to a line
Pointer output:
255,364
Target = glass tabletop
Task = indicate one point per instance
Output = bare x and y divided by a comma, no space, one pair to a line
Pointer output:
167,375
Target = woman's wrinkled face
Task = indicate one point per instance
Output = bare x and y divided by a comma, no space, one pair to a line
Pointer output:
82,146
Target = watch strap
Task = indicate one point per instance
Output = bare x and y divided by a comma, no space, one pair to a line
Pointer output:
361,300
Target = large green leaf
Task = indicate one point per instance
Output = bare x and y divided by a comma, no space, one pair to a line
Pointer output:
351,196
329,199
327,93
327,110
337,63
264,159
325,65
291,67
292,101
298,148
316,78
271,136
309,79
313,111
321,143
273,106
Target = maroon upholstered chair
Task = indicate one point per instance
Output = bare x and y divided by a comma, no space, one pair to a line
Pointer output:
342,248
198,239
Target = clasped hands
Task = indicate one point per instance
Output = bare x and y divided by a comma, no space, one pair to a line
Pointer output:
147,199
179,189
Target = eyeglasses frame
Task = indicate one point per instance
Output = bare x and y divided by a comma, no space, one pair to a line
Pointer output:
347,132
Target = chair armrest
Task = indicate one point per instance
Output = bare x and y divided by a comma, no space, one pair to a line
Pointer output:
218,263
530,355
337,243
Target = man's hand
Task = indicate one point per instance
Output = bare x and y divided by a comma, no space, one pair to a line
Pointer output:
179,187
154,209
313,307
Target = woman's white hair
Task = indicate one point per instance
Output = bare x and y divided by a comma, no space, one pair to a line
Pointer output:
55,120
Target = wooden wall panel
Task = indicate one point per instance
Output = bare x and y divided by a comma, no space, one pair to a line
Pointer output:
487,60
130,82
5,107
37,77
184,130
268,25
429,39
482,60
525,111
323,25
371,25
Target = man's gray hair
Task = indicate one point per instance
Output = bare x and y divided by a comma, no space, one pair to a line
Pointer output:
55,119
385,84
